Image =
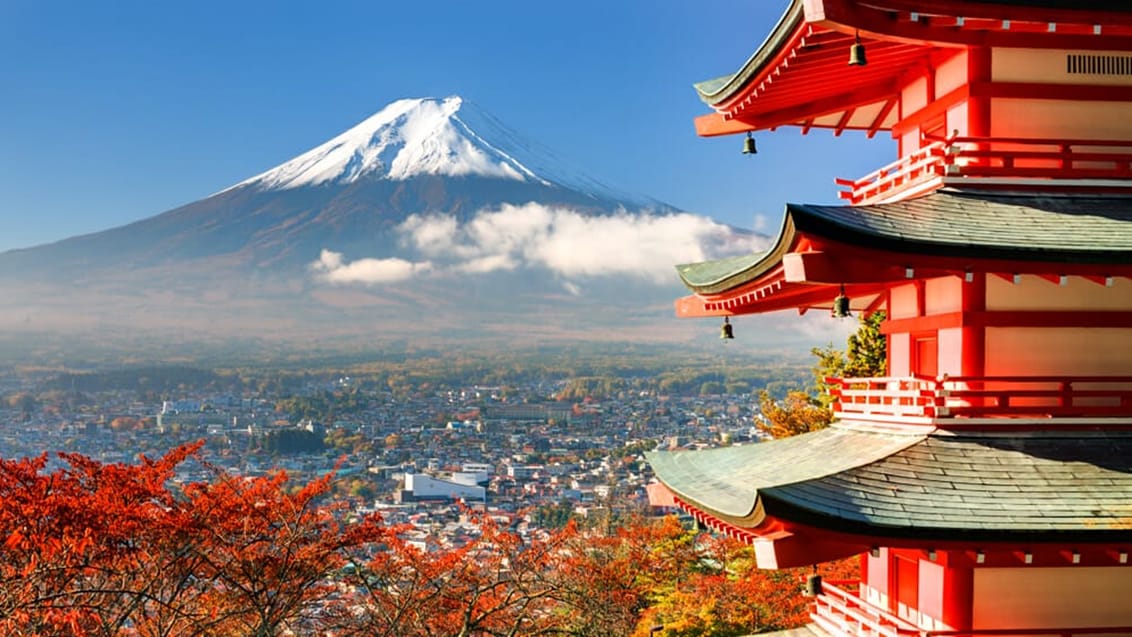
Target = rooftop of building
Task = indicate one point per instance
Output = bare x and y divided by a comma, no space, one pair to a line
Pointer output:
917,483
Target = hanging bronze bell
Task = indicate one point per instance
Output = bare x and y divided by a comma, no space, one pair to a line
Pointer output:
749,145
857,54
841,306
813,586
725,332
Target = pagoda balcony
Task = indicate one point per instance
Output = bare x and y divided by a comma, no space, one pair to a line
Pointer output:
979,401
843,614
1017,164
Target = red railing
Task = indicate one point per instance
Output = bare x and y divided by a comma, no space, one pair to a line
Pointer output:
1007,160
926,400
844,614
920,167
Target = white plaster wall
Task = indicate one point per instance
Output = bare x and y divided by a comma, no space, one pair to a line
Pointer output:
1052,597
950,358
914,96
1060,119
957,119
951,74
899,353
1049,351
902,302
1034,293
928,615
943,295
1048,66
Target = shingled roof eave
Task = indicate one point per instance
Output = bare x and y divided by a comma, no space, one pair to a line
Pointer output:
720,89
1075,469
816,221
700,278
726,481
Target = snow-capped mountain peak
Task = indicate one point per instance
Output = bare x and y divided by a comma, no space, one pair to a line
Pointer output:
427,136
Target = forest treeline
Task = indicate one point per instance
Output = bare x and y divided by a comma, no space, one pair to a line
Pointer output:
120,549
594,375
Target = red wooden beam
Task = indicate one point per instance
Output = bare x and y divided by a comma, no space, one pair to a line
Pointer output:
843,122
931,110
714,124
876,22
998,12
1099,280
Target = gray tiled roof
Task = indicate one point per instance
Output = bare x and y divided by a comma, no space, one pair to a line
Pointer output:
1022,486
948,223
1056,228
719,89
726,480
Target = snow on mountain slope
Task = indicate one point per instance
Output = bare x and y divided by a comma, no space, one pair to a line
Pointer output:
415,137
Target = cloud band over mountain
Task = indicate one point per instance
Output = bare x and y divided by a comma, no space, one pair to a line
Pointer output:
640,245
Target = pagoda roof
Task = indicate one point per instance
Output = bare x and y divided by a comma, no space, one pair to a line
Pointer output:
948,229
922,486
727,481
800,76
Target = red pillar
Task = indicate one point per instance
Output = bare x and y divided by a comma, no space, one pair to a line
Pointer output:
978,105
973,334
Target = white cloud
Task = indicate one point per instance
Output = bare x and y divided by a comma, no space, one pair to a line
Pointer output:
434,235
490,263
570,244
330,267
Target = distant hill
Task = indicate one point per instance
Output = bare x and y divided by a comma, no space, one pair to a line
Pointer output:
430,219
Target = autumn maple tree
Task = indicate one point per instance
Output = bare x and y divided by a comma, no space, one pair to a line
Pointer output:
267,553
865,355
88,548
724,594
78,542
798,413
112,549
496,584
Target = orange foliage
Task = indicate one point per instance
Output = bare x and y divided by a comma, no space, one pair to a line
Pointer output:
796,414
497,584
117,550
126,423
110,549
727,595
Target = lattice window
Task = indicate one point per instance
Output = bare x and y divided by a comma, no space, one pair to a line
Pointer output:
1087,64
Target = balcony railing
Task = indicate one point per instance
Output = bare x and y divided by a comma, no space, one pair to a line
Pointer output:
957,400
1015,162
844,614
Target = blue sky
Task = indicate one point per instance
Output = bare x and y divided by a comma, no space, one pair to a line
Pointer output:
116,111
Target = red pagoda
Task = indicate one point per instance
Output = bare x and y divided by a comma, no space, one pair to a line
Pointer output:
987,482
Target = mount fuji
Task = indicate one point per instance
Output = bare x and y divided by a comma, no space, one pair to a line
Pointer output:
429,217
421,137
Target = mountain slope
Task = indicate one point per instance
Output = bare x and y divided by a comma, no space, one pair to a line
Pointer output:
414,156
416,137
428,218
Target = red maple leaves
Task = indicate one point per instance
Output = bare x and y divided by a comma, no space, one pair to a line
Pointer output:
114,549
